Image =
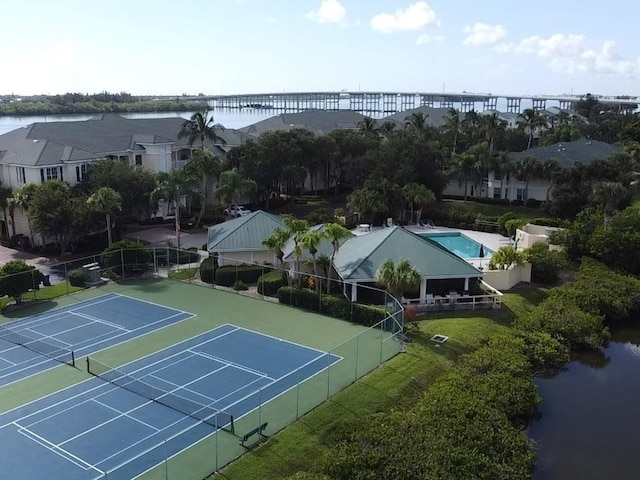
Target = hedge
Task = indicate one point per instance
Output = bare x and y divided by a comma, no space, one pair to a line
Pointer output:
207,270
77,277
133,253
228,275
331,306
269,283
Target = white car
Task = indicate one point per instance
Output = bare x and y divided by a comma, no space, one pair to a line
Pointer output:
233,212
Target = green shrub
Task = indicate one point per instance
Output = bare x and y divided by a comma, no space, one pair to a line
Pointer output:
502,221
269,283
329,305
240,285
132,253
77,277
229,274
208,270
512,225
546,264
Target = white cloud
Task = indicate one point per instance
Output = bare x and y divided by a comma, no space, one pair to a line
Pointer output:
415,17
271,19
330,11
425,39
570,54
480,34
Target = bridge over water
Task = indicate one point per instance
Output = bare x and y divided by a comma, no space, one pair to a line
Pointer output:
390,102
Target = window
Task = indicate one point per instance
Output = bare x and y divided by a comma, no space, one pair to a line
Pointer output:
51,173
497,174
20,176
138,160
520,195
497,192
81,172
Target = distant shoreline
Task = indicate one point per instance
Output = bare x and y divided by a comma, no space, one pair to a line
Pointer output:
25,109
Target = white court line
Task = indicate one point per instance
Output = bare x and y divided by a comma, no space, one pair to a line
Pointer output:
164,359
126,414
234,365
282,340
82,347
70,457
152,303
245,386
39,337
44,319
98,320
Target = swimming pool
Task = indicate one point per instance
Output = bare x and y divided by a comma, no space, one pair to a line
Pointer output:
459,244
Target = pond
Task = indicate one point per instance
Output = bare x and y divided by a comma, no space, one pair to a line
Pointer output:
590,424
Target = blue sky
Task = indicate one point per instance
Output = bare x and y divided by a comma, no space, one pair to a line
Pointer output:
253,46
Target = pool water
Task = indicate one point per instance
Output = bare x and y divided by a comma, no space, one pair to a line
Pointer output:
459,244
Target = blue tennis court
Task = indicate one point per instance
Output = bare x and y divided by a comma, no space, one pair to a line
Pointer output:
83,328
97,427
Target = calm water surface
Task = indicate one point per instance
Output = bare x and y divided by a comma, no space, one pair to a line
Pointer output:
590,424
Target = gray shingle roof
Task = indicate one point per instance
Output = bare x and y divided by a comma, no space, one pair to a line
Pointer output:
52,143
318,121
569,153
243,233
436,117
359,257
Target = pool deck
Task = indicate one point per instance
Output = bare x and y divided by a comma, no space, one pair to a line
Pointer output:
492,241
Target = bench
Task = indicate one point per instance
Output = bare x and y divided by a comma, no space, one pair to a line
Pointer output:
256,431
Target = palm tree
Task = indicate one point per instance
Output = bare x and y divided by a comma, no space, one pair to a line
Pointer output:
397,279
492,126
367,200
334,232
464,164
409,192
368,127
506,257
201,126
172,186
204,164
232,186
23,197
105,200
423,198
506,167
525,168
416,122
276,241
608,194
5,195
531,121
453,125
310,240
295,228
481,156
548,170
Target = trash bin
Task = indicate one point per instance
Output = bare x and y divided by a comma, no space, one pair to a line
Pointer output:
46,282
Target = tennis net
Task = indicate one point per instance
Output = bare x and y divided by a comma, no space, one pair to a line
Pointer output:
197,410
39,346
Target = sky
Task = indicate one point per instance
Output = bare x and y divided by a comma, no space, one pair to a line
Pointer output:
161,47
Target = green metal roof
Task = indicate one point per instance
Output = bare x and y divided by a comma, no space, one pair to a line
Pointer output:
324,247
359,257
243,233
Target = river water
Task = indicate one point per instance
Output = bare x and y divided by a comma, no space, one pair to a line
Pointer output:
590,421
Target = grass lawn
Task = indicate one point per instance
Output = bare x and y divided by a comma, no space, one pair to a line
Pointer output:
636,204
488,210
183,274
45,293
397,384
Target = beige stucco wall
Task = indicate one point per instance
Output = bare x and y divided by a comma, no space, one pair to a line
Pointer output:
507,279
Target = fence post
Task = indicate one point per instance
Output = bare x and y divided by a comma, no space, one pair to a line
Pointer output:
66,276
122,261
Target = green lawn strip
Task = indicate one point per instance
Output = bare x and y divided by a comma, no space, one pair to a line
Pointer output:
490,210
45,293
183,274
397,384
522,300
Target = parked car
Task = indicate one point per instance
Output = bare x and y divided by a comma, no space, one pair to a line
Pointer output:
233,212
